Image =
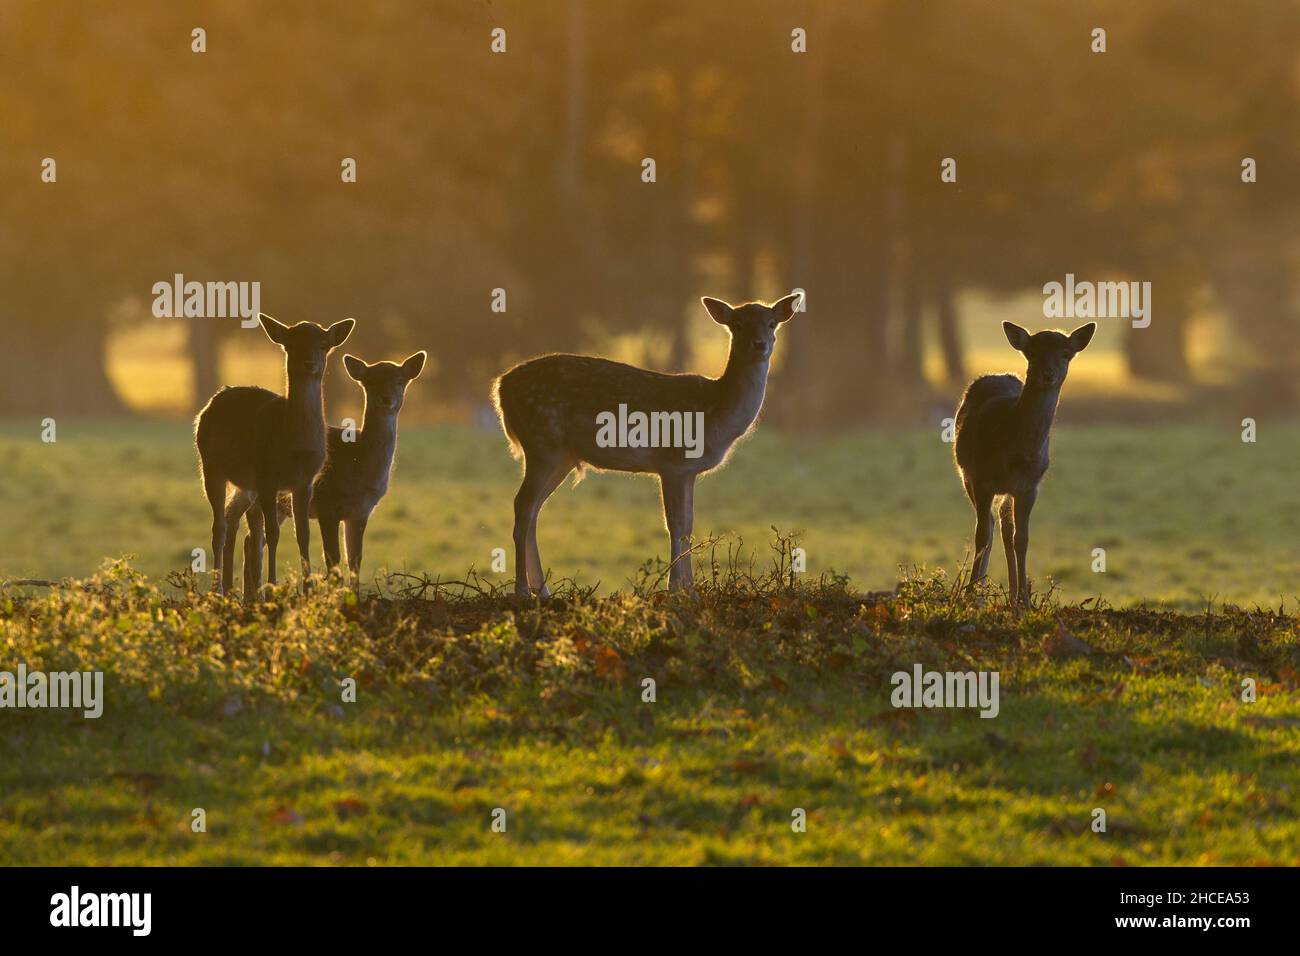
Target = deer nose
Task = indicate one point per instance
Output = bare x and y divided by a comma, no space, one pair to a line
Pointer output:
760,346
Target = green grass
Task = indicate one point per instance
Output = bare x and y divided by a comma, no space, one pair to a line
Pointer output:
771,697
768,699
1185,513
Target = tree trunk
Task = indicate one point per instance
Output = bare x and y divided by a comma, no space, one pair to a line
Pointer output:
949,335
1159,351
56,366
202,346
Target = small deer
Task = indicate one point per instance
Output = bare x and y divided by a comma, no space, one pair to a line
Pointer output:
562,412
353,480
266,443
1003,430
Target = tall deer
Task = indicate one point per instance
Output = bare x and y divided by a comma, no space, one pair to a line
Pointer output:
562,412
259,441
1003,430
353,480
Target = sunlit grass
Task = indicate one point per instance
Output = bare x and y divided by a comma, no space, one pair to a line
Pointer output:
766,704
1184,513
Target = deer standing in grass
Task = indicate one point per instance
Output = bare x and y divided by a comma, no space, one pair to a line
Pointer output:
1003,430
266,443
353,480
556,411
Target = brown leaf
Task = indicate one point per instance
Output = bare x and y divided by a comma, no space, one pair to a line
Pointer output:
349,806
609,665
1064,645
287,816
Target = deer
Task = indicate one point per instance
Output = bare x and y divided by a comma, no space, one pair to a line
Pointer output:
1003,428
562,413
266,443
353,480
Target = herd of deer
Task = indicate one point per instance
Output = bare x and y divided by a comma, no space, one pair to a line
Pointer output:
265,456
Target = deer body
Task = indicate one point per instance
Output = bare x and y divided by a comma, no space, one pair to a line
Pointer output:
1003,434
266,443
557,412
352,481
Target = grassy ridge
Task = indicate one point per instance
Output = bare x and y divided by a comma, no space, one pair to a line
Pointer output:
769,698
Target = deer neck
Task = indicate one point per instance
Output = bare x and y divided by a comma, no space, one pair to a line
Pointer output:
378,439
1035,411
305,398
741,389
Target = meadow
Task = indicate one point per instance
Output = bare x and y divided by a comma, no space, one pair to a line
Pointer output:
1186,514
772,688
769,698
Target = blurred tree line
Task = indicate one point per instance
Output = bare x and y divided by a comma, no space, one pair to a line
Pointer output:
522,171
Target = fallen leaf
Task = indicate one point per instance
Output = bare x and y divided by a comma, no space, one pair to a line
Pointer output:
349,806
1064,645
286,816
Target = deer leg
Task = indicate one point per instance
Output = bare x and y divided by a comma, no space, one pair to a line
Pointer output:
540,479
983,536
253,543
678,492
551,480
1024,505
1005,522
354,530
237,505
214,487
271,522
302,528
329,538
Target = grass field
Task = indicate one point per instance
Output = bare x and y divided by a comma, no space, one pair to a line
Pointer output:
771,696
768,700
1185,513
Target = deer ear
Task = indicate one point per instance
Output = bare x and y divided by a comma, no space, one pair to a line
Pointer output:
720,311
339,332
356,368
274,330
1081,336
784,308
1017,336
414,365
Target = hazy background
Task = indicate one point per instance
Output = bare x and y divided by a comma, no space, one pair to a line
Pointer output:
775,170
522,171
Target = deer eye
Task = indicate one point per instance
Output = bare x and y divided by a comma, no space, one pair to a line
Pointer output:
771,326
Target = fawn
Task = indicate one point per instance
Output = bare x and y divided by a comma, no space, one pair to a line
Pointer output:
558,412
1003,430
266,443
353,480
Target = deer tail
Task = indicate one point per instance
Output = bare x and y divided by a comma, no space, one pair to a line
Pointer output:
503,413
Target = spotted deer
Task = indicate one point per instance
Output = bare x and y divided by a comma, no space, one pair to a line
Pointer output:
259,441
354,479
565,412
1003,430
